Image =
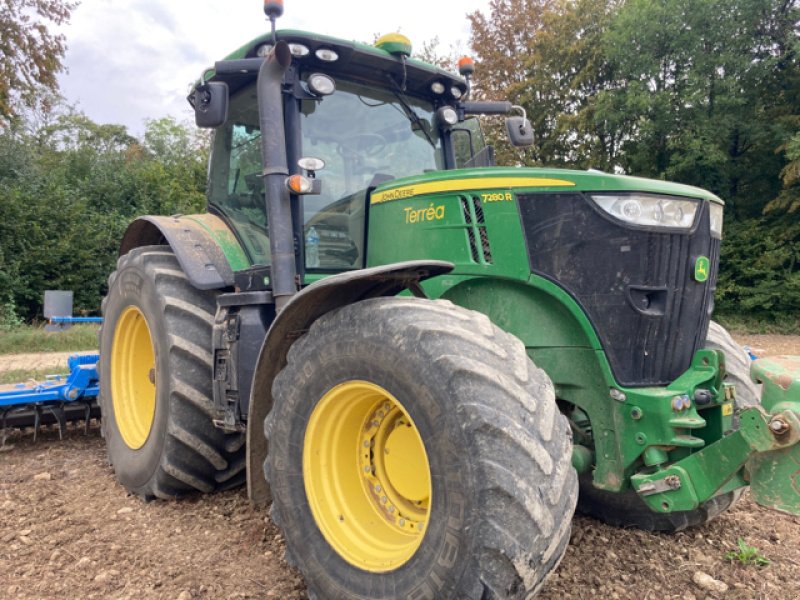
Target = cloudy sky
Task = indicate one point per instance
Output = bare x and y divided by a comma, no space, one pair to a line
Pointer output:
129,60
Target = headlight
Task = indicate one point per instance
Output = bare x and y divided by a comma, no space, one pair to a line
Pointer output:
298,50
447,115
649,210
716,220
321,85
326,54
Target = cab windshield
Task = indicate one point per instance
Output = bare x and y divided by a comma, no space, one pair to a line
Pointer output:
364,135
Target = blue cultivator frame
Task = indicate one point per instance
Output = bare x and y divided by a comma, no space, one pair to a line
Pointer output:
57,399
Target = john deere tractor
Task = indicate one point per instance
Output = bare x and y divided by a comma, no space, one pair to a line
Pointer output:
421,360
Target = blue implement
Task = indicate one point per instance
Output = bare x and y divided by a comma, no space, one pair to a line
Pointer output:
70,320
56,394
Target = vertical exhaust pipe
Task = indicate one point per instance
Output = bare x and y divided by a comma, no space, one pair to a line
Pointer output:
275,171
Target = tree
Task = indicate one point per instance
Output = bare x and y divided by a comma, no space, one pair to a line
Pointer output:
502,41
70,187
704,92
706,85
30,55
547,56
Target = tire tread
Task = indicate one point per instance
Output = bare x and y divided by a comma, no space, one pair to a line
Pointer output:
196,456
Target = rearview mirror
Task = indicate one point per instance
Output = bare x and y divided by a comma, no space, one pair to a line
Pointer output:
210,101
520,131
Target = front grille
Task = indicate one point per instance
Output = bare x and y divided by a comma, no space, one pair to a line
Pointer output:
637,287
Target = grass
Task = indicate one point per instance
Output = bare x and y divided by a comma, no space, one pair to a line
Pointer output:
743,324
24,375
747,555
30,338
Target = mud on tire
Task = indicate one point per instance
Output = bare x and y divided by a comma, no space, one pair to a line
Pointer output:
183,451
498,449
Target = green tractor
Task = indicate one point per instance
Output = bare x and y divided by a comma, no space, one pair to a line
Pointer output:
423,361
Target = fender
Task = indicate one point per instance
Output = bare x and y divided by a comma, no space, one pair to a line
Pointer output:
294,320
203,245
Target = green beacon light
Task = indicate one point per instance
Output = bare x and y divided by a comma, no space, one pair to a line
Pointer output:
395,43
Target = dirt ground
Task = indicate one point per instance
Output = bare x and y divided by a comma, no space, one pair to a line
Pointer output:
68,530
37,361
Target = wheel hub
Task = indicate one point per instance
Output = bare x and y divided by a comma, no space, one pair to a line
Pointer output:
133,381
392,453
366,476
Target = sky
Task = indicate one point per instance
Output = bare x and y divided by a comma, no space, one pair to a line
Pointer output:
132,60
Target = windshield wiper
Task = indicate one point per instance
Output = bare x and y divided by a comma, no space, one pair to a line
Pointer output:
410,114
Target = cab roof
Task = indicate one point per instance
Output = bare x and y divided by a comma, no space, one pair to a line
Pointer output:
355,61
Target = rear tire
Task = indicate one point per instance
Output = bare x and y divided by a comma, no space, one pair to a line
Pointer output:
156,401
502,491
627,509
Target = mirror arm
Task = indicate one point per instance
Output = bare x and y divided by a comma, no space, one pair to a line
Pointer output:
486,107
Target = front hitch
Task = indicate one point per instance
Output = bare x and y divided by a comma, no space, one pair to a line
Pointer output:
764,451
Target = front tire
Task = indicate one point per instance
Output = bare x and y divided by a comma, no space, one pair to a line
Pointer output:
737,364
478,499
156,378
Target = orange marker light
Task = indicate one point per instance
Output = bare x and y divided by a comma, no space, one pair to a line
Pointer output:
273,8
466,66
298,184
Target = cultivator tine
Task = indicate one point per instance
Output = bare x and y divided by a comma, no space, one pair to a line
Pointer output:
87,412
3,431
57,410
37,420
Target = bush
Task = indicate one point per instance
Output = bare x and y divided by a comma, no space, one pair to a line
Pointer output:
760,271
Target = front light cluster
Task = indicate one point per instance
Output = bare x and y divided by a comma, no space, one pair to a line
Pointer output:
439,88
649,210
300,51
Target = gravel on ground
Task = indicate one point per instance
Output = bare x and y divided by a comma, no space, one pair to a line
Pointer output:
68,530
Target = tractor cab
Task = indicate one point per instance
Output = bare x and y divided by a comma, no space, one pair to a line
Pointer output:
354,115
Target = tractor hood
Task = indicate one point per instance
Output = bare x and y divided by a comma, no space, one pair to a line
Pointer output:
639,256
521,179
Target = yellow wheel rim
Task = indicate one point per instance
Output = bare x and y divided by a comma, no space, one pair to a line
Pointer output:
366,476
133,383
